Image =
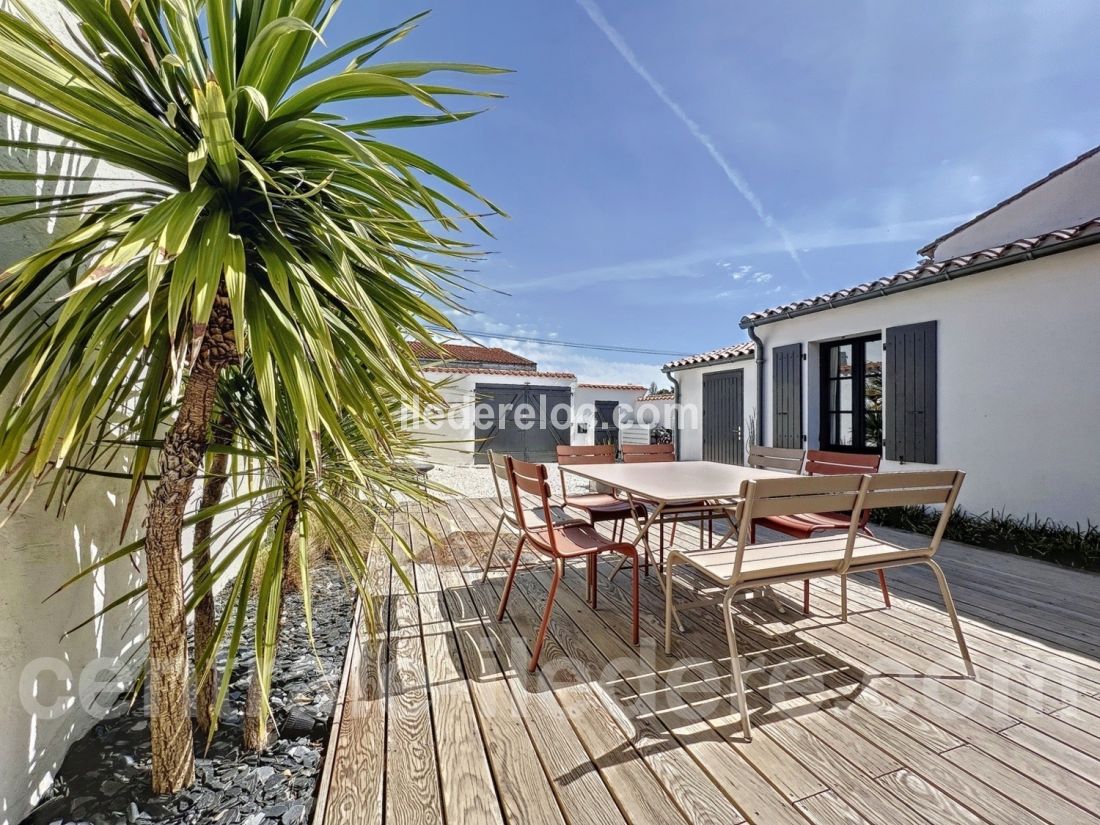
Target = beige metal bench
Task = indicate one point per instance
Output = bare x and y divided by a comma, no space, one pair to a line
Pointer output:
753,567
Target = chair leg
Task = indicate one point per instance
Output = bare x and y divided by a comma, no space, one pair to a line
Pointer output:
511,577
949,603
885,589
806,597
844,598
592,581
635,596
492,547
668,605
735,665
541,637
710,532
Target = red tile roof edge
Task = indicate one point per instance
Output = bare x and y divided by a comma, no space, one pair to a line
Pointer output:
612,386
465,352
487,371
1065,167
742,350
928,271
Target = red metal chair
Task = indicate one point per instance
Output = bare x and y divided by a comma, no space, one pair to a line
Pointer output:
560,544
596,506
806,525
688,511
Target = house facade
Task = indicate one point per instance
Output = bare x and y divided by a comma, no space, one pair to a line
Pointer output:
983,357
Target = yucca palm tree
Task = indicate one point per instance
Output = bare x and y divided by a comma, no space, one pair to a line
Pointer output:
265,223
299,499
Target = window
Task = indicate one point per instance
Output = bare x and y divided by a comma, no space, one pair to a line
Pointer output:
851,395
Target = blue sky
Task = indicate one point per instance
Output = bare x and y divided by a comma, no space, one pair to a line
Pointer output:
671,166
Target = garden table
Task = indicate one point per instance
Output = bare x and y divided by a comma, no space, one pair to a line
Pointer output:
667,486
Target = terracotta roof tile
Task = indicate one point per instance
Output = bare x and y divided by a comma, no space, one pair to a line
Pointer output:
487,371
462,352
741,350
928,271
624,387
658,396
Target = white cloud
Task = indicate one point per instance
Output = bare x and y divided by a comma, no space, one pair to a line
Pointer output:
697,263
733,175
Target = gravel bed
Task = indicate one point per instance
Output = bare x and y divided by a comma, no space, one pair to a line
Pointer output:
477,482
105,776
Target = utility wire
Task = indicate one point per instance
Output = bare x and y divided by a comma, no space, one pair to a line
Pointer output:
555,342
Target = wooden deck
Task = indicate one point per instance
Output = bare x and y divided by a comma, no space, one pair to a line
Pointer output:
868,721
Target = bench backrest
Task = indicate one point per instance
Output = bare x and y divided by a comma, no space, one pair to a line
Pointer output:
648,453
783,459
848,493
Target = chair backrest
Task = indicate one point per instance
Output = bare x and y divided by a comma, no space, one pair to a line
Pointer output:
647,453
828,463
498,465
525,477
798,495
920,488
586,454
783,459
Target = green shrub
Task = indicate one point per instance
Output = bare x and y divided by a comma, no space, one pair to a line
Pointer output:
1045,539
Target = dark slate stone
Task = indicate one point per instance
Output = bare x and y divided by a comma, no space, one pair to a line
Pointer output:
105,776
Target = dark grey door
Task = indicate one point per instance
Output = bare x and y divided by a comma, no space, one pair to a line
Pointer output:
787,396
525,422
724,416
607,426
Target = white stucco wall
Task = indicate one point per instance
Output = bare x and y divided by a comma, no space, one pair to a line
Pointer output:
1018,361
48,687
451,438
691,404
1066,200
584,409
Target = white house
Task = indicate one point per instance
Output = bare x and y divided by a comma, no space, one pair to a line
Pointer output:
495,400
601,410
985,356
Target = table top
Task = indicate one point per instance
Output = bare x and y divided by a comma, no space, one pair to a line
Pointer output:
674,481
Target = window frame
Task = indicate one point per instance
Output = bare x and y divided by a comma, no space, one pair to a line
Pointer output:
859,395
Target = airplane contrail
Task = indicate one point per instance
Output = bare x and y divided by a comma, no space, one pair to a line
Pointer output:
735,177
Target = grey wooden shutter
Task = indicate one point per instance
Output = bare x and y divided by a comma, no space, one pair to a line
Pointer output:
910,415
787,396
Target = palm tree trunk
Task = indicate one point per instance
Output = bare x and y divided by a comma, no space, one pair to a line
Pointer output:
180,459
205,613
255,715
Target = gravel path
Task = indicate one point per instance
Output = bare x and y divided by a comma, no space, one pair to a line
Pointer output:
477,482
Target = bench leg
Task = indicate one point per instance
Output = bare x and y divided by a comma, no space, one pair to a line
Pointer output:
541,637
844,598
949,603
735,666
885,589
492,547
806,597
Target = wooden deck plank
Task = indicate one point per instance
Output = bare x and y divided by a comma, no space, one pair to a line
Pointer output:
858,722
1023,789
525,791
827,808
581,792
412,770
610,629
936,807
356,789
469,793
966,789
